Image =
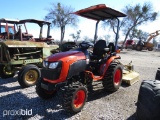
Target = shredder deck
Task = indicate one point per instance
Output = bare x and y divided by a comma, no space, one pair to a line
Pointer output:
130,77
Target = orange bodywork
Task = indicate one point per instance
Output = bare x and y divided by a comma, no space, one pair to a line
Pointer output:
109,62
68,58
103,69
152,35
72,56
99,12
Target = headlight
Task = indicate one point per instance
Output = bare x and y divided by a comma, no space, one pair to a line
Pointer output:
53,65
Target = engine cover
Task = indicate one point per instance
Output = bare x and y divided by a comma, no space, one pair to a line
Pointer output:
73,62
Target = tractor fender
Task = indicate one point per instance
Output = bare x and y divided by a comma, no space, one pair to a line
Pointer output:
105,66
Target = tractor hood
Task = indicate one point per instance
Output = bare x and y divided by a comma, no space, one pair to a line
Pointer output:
99,12
15,44
67,56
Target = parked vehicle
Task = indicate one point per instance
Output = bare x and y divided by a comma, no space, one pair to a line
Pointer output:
142,45
146,45
130,44
72,72
48,39
7,28
18,52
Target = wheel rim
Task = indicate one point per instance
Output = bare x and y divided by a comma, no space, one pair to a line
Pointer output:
79,99
31,76
117,77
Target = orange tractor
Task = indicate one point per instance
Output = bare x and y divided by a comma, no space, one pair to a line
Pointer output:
74,71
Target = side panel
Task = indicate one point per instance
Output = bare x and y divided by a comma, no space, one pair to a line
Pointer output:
76,67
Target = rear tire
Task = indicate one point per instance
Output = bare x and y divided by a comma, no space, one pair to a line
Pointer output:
113,77
148,103
74,97
158,74
139,48
28,76
150,49
42,93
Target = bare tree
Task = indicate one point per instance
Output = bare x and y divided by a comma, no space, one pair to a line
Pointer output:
112,23
76,36
139,34
137,15
107,38
86,38
60,16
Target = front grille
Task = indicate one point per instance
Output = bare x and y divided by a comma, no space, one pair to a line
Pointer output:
51,74
48,86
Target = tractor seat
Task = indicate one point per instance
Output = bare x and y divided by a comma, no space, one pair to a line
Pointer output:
112,50
99,49
111,47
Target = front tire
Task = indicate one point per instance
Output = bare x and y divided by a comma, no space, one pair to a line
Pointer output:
42,93
150,49
148,103
28,76
74,98
113,77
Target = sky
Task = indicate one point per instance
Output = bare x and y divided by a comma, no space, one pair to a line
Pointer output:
37,9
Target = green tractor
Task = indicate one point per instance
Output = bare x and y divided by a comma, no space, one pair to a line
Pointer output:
20,51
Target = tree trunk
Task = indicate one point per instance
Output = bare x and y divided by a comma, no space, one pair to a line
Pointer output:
62,33
126,37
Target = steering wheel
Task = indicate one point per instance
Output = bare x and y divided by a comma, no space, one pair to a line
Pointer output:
86,44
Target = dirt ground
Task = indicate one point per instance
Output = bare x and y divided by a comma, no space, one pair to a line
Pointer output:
120,105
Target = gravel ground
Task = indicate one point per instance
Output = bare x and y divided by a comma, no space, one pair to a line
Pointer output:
120,105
